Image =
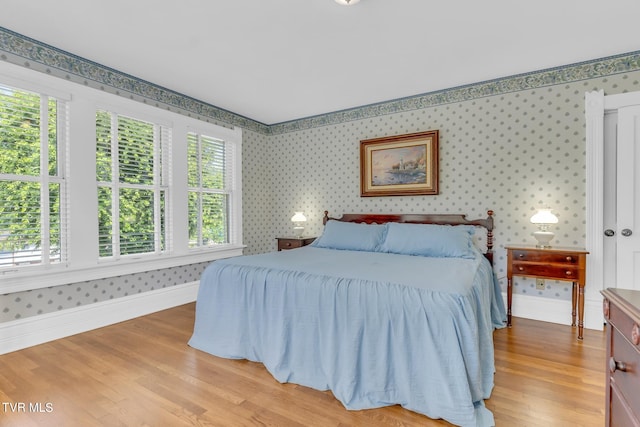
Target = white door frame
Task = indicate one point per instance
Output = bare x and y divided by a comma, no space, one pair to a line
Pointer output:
596,104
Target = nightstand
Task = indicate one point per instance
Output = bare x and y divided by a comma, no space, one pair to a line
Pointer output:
293,242
567,264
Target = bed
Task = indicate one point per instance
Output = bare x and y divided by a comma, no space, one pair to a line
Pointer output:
380,309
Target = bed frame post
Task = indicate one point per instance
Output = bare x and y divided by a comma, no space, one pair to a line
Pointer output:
489,227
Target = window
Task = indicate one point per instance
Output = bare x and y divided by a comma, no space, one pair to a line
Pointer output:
132,173
147,188
209,164
31,179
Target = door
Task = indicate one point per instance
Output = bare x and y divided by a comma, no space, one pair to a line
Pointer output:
627,231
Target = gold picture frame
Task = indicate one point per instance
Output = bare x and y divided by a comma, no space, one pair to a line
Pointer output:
402,165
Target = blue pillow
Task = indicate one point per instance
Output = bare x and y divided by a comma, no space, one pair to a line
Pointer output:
444,241
351,236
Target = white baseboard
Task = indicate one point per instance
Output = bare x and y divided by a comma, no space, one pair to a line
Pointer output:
23,333
555,311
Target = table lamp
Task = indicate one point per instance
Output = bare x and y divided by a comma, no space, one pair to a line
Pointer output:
298,220
544,219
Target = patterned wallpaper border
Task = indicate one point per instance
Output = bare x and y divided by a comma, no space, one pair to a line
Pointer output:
553,76
29,53
17,48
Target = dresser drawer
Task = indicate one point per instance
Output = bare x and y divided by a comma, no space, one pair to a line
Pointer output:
627,382
622,311
625,325
550,257
569,272
620,414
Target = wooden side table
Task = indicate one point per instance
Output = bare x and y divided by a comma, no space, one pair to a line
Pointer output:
567,264
293,242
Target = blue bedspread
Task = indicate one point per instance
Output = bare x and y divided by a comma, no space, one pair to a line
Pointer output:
376,329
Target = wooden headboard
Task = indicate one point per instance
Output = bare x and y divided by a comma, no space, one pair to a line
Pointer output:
443,219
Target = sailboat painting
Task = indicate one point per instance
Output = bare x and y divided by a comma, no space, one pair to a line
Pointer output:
399,165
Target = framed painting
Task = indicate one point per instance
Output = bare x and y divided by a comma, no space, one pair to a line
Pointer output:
402,165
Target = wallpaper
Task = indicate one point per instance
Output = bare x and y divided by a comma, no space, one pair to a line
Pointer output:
258,190
46,300
511,145
510,153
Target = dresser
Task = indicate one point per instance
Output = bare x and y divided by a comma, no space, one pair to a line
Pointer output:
622,312
567,264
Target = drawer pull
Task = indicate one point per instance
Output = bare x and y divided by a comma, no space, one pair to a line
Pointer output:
521,268
520,255
635,334
568,273
569,259
614,365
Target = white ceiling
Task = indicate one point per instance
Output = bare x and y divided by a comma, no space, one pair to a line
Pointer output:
280,60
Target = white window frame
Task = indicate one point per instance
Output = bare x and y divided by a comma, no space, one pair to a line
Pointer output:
229,187
43,177
233,147
80,173
160,184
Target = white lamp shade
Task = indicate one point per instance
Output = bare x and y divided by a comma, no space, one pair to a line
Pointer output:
543,219
298,217
544,216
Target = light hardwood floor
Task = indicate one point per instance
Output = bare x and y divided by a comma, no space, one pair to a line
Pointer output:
142,373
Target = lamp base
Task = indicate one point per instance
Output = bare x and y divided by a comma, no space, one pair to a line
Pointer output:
543,238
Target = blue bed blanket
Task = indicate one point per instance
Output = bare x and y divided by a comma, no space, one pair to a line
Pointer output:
376,329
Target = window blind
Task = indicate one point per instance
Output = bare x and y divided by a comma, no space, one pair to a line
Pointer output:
132,168
32,213
210,181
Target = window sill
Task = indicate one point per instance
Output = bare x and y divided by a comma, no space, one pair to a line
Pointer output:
25,280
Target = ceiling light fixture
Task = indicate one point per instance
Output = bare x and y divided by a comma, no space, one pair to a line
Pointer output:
347,2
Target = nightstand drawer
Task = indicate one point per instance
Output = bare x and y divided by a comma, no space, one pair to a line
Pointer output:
550,257
293,242
557,272
290,244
